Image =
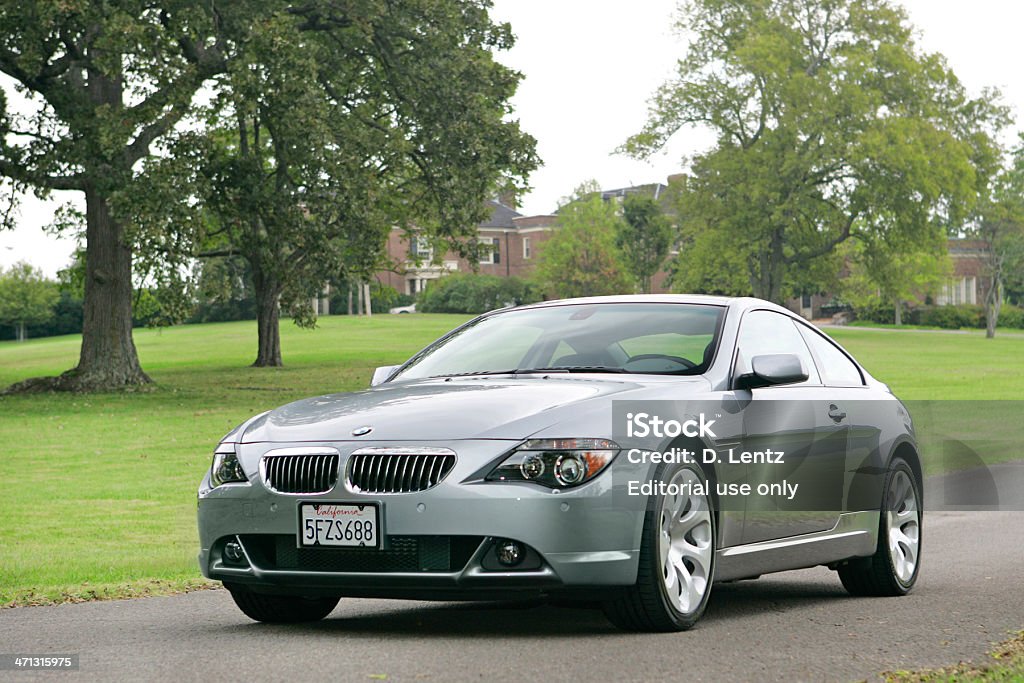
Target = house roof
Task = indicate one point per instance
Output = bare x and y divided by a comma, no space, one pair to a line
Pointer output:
501,216
653,189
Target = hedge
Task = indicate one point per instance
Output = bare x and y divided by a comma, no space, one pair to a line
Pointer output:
467,293
946,317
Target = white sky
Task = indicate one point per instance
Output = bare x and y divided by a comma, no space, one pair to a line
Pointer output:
590,67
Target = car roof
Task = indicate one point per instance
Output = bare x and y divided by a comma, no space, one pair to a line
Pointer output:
708,300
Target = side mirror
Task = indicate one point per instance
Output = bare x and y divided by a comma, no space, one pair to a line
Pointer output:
771,370
381,374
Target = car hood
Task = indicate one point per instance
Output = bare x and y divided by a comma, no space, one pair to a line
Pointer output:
457,408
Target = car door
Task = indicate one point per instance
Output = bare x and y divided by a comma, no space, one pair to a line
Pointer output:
800,491
851,407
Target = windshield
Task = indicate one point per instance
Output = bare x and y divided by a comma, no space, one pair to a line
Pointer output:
645,338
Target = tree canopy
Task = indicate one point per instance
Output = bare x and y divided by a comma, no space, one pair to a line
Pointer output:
331,130
644,238
830,124
580,258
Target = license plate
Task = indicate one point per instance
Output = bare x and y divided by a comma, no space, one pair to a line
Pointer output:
338,525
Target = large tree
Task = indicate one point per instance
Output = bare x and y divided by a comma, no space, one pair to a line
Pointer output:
105,82
340,121
830,123
1000,228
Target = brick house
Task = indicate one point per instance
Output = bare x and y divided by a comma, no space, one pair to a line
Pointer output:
512,237
968,284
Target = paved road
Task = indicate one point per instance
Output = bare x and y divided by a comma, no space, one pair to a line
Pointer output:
792,626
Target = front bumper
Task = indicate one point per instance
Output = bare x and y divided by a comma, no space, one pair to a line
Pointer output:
579,537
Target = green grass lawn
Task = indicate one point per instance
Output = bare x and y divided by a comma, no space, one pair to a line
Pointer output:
105,497
101,488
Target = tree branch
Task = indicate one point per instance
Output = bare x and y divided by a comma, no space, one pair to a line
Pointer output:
60,182
139,147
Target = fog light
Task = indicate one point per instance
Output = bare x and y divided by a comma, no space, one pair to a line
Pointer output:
509,553
233,552
570,469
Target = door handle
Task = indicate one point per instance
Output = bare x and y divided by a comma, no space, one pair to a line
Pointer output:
836,413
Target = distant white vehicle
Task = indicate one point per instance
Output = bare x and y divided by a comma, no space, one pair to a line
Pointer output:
411,308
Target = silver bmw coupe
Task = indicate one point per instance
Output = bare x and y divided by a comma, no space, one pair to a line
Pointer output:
626,452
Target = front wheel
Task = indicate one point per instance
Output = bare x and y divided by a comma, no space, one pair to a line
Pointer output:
894,567
281,609
677,558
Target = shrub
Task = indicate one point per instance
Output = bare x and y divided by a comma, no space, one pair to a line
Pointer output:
1011,316
467,293
945,317
951,317
877,311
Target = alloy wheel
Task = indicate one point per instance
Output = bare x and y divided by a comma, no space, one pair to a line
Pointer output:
903,524
685,543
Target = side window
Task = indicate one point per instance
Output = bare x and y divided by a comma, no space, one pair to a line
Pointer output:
836,369
767,332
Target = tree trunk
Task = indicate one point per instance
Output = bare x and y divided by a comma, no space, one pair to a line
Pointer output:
767,272
350,298
268,317
108,359
366,300
898,313
359,298
21,332
993,307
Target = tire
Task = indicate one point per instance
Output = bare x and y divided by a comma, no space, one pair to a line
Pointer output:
281,609
661,601
893,569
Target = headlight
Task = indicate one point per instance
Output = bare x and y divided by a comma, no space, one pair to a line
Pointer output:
226,468
556,463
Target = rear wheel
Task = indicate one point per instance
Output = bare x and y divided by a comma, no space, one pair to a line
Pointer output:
894,567
281,609
677,559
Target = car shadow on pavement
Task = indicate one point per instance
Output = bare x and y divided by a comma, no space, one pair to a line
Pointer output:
743,598
529,619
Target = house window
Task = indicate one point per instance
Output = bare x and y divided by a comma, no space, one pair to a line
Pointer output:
805,301
490,250
420,248
526,248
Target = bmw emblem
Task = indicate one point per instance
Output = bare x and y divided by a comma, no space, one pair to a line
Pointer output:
362,431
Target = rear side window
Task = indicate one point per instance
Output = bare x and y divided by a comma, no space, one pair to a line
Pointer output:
837,370
766,332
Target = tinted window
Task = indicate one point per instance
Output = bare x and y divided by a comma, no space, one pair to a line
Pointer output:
836,369
765,332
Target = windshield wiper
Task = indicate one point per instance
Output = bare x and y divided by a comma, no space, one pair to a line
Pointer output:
536,371
571,368
473,373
